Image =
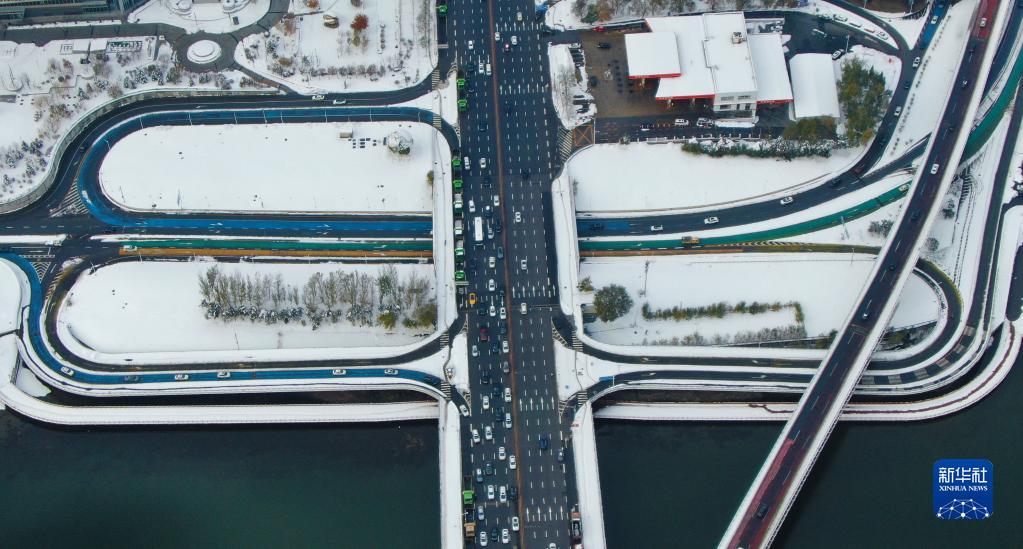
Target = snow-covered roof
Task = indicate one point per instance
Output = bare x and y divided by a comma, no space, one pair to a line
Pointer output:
714,55
769,64
813,85
728,53
696,79
652,55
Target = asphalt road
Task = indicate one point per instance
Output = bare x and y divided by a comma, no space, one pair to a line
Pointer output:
511,124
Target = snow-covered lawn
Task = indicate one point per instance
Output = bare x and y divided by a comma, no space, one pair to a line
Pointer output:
274,167
196,16
888,65
908,28
152,310
618,179
935,76
824,285
396,49
51,90
567,84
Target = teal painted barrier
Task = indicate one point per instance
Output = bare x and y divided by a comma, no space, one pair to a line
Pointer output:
986,127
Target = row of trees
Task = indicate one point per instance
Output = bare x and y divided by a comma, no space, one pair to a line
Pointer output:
361,299
785,149
720,310
782,333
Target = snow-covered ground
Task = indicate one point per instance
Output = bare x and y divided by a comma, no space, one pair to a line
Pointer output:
199,16
151,311
52,90
274,167
934,78
396,49
569,83
615,179
824,285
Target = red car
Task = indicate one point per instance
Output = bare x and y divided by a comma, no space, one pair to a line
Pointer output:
484,334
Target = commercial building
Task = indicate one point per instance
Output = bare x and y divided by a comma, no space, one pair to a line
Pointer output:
710,57
17,11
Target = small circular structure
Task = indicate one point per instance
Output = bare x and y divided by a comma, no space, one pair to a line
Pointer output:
399,141
180,7
204,51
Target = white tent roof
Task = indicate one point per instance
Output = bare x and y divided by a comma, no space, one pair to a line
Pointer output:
813,85
652,54
769,65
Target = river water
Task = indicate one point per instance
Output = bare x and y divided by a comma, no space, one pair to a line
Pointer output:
336,486
663,484
677,484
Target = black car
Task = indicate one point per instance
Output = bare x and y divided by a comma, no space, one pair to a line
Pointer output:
489,468
482,311
505,367
495,348
513,493
500,249
494,534
603,45
497,229
485,378
500,297
484,333
593,81
544,443
503,330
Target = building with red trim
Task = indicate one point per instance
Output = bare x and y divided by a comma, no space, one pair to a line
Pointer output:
710,57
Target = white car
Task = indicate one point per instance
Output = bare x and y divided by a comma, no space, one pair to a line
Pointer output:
515,523
502,313
497,36
491,262
504,344
475,351
503,497
898,110
475,436
488,433
710,221
507,394
507,422
479,68
522,264
483,163
486,402
490,491
491,285
916,62
493,311
518,217
472,206
500,453
934,169
515,40
463,409
497,200
518,16
488,69
483,538
318,98
504,536
471,44
682,122
523,308
786,200
511,462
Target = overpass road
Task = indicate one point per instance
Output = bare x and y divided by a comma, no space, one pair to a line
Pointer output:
766,504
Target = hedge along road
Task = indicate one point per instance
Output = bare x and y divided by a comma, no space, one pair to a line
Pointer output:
116,128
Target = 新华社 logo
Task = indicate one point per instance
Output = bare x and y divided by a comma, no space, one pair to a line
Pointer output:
963,489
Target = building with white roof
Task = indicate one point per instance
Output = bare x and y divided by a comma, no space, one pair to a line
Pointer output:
715,59
813,85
